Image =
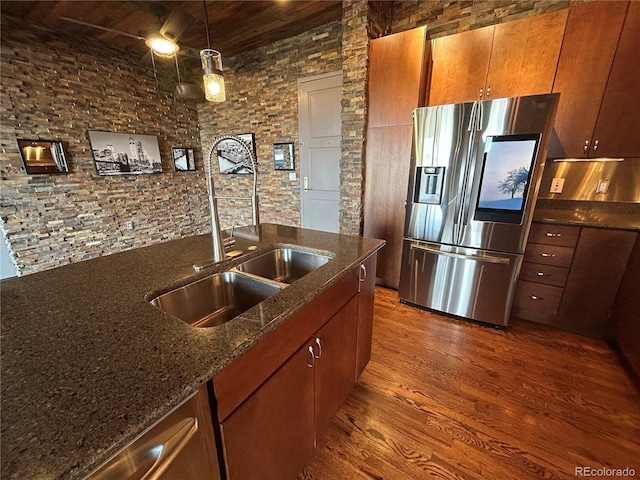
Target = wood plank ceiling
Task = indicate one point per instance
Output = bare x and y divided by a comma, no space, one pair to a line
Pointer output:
234,26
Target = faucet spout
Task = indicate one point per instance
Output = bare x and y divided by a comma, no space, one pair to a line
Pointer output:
216,232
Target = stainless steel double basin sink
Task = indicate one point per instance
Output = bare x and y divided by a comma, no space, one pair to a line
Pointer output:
218,298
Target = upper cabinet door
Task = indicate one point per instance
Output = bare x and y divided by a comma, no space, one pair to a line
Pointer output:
397,73
525,55
617,132
590,40
460,64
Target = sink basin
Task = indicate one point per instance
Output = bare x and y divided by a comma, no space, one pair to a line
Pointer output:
284,265
215,300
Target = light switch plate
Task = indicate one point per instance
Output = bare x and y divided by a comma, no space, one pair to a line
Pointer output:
556,185
292,176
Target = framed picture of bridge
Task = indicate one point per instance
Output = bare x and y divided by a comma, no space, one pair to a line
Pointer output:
125,153
233,157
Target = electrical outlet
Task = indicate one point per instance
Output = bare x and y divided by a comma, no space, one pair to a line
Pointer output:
292,176
556,185
602,186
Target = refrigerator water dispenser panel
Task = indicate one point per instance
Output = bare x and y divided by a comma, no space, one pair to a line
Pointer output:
429,181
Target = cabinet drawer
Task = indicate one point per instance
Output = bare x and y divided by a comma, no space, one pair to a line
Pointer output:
546,274
537,297
560,235
548,254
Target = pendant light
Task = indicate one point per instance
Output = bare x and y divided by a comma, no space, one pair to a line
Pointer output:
162,45
214,90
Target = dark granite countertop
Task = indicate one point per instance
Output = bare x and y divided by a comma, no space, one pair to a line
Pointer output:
620,216
88,364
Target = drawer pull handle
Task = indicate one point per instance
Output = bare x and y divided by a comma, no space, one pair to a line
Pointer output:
550,255
313,357
319,348
550,234
535,297
540,274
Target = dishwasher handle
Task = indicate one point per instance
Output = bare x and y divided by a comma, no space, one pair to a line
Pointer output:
150,458
171,447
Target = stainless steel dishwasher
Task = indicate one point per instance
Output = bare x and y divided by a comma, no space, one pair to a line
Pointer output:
180,446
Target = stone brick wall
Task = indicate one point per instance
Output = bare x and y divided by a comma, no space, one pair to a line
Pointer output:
449,17
262,98
355,52
57,87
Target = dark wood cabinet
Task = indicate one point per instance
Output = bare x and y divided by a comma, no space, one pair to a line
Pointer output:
335,364
506,60
273,432
397,80
617,131
598,264
271,435
365,313
524,55
275,401
460,65
544,271
386,181
570,277
625,318
398,73
590,42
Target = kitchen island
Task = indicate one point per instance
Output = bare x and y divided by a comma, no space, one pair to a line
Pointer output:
88,364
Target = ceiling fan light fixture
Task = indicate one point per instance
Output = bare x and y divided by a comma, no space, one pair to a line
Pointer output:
214,89
161,45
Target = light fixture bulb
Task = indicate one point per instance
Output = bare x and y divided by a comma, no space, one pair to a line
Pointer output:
161,45
214,89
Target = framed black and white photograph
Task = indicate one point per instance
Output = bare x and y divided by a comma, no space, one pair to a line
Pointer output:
283,156
184,159
233,157
43,156
125,153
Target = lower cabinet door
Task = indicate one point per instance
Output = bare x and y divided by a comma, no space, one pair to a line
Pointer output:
271,435
335,366
365,313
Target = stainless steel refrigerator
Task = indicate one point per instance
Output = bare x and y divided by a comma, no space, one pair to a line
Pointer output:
476,169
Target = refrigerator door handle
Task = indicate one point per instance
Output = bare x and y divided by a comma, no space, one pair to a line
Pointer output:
472,117
479,258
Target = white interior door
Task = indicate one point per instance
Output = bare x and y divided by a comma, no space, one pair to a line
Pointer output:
320,130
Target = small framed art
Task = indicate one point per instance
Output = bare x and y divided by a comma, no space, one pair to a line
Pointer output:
184,159
283,156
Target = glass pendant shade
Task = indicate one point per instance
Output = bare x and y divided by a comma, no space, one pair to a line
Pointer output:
214,90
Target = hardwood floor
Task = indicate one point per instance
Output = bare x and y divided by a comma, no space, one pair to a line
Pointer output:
444,398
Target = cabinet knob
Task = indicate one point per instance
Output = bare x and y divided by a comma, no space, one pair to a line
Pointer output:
595,145
488,91
481,92
586,146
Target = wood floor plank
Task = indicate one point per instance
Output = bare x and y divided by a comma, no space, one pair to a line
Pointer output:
445,398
